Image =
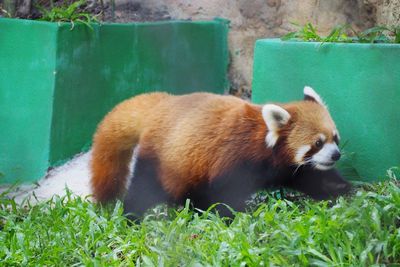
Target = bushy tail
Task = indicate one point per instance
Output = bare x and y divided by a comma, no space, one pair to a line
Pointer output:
113,144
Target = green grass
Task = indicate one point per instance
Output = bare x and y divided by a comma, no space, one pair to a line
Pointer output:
68,12
361,230
346,34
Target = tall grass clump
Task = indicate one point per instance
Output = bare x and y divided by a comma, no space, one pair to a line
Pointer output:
345,34
68,12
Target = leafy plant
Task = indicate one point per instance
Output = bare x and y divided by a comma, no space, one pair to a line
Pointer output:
5,12
68,13
346,34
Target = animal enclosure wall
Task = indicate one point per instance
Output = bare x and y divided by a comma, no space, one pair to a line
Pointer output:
359,82
58,81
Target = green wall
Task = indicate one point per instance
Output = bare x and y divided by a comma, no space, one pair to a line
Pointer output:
359,82
56,83
26,94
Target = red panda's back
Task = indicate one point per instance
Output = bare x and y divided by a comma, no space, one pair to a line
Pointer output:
196,136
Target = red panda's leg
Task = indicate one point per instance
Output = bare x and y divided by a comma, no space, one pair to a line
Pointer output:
145,190
319,184
233,188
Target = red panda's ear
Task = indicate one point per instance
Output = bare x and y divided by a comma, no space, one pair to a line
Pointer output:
275,117
311,95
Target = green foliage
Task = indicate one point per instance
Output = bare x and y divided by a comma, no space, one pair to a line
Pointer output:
68,13
346,34
4,12
362,230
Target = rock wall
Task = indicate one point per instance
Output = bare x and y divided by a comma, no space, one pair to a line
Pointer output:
388,11
251,20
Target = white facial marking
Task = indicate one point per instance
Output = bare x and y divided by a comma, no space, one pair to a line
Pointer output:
311,93
301,152
275,117
322,137
323,159
323,167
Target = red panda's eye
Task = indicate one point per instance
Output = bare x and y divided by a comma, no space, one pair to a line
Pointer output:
318,143
336,139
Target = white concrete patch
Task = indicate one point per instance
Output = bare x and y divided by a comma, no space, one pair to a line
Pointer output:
74,175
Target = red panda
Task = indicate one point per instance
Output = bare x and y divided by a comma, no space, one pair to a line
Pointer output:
214,148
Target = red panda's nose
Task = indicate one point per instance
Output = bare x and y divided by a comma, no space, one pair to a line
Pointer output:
336,155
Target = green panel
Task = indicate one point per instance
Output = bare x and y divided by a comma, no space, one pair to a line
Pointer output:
99,67
95,70
56,83
27,53
359,82
182,57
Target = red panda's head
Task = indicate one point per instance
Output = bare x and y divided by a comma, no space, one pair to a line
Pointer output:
302,132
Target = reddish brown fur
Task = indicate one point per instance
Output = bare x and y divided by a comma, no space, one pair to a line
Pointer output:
113,141
194,137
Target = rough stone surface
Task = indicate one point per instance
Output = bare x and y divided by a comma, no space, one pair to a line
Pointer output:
388,12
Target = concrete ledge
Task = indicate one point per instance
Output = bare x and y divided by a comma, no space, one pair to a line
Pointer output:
359,82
